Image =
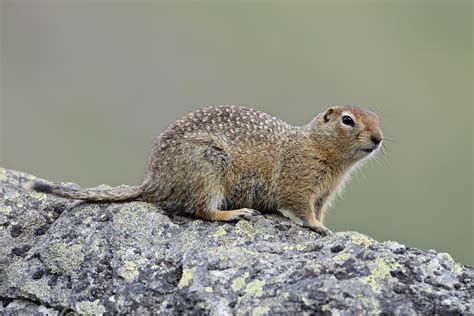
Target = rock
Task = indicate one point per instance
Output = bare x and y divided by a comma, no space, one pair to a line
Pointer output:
58,256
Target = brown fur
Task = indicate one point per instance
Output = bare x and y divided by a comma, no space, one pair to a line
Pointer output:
220,163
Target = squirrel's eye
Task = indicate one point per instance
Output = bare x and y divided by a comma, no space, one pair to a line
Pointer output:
347,120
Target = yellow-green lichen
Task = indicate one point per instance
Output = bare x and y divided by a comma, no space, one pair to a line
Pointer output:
293,247
307,301
238,283
87,220
219,232
38,196
5,210
360,239
379,273
129,271
255,288
64,257
90,308
446,256
185,278
326,308
95,245
208,289
3,174
259,311
342,256
244,227
371,304
11,195
133,218
286,248
39,289
456,268
427,290
142,260
14,272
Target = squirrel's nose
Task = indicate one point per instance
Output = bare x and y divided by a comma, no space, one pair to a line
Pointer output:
376,139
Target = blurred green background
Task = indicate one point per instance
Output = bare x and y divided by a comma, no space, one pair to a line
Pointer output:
87,85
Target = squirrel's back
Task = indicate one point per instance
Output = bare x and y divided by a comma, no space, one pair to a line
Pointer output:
236,124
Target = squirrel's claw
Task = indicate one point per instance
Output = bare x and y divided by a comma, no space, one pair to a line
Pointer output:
323,231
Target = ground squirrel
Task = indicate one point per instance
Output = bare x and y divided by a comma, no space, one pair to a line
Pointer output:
225,163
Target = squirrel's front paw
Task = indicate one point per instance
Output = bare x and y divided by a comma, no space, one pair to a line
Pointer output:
323,231
244,213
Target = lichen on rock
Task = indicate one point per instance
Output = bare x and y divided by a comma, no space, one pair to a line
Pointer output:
186,278
57,257
90,308
62,257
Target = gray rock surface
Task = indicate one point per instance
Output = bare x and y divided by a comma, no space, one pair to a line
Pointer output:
133,258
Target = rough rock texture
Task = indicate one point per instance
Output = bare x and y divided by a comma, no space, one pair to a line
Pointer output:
133,258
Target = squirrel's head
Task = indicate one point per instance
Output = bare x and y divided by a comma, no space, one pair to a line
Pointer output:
353,133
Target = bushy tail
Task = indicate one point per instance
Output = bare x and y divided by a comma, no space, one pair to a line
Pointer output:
118,194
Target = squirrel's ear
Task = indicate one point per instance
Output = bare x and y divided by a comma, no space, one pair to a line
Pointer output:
327,115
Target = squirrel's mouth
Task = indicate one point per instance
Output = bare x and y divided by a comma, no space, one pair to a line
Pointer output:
368,149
